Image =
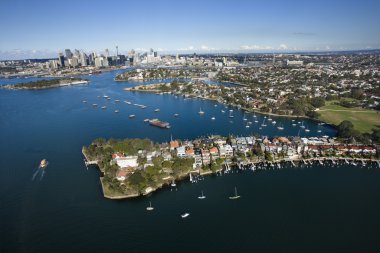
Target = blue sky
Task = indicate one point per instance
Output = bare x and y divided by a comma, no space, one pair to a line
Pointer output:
42,28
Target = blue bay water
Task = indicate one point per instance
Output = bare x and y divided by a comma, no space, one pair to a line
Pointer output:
316,209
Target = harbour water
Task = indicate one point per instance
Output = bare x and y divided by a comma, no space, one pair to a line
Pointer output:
314,209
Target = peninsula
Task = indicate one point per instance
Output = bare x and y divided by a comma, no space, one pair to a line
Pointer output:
163,73
138,167
46,84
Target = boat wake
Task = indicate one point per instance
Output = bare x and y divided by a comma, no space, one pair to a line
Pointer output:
40,171
35,174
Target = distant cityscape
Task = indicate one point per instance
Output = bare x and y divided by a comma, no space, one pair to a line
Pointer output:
78,62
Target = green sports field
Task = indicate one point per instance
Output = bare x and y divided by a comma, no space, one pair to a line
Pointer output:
364,120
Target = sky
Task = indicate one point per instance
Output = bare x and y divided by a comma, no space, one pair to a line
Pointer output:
42,28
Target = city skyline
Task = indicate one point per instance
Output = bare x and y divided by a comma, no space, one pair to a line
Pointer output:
172,27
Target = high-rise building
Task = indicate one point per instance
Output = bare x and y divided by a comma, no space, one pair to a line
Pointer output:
68,53
77,53
107,52
83,59
74,62
61,60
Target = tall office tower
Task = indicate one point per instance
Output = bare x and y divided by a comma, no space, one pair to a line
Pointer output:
155,54
74,62
61,60
177,58
151,51
83,59
68,53
77,53
107,52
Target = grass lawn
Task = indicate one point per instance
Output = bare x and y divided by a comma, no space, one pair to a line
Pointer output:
364,120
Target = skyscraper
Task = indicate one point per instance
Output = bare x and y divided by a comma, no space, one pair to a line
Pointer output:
68,53
61,60
83,59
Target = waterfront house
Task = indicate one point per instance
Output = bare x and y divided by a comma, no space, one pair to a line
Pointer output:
174,144
214,152
229,150
121,175
117,155
190,152
219,142
181,152
206,157
166,155
222,152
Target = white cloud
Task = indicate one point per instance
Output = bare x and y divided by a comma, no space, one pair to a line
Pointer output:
17,54
283,47
327,47
190,48
255,47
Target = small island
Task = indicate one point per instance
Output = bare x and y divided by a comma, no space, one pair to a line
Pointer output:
137,167
46,84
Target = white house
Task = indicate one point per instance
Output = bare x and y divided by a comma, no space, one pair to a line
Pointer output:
128,161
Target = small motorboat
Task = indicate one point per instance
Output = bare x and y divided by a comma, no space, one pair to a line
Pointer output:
43,163
185,215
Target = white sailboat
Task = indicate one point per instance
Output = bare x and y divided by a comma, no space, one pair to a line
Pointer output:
236,196
173,184
150,207
280,127
201,112
231,116
202,196
263,124
302,126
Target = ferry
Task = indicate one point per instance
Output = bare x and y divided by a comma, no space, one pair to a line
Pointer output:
43,164
159,123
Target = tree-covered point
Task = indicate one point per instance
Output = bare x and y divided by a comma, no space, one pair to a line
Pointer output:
46,83
100,147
